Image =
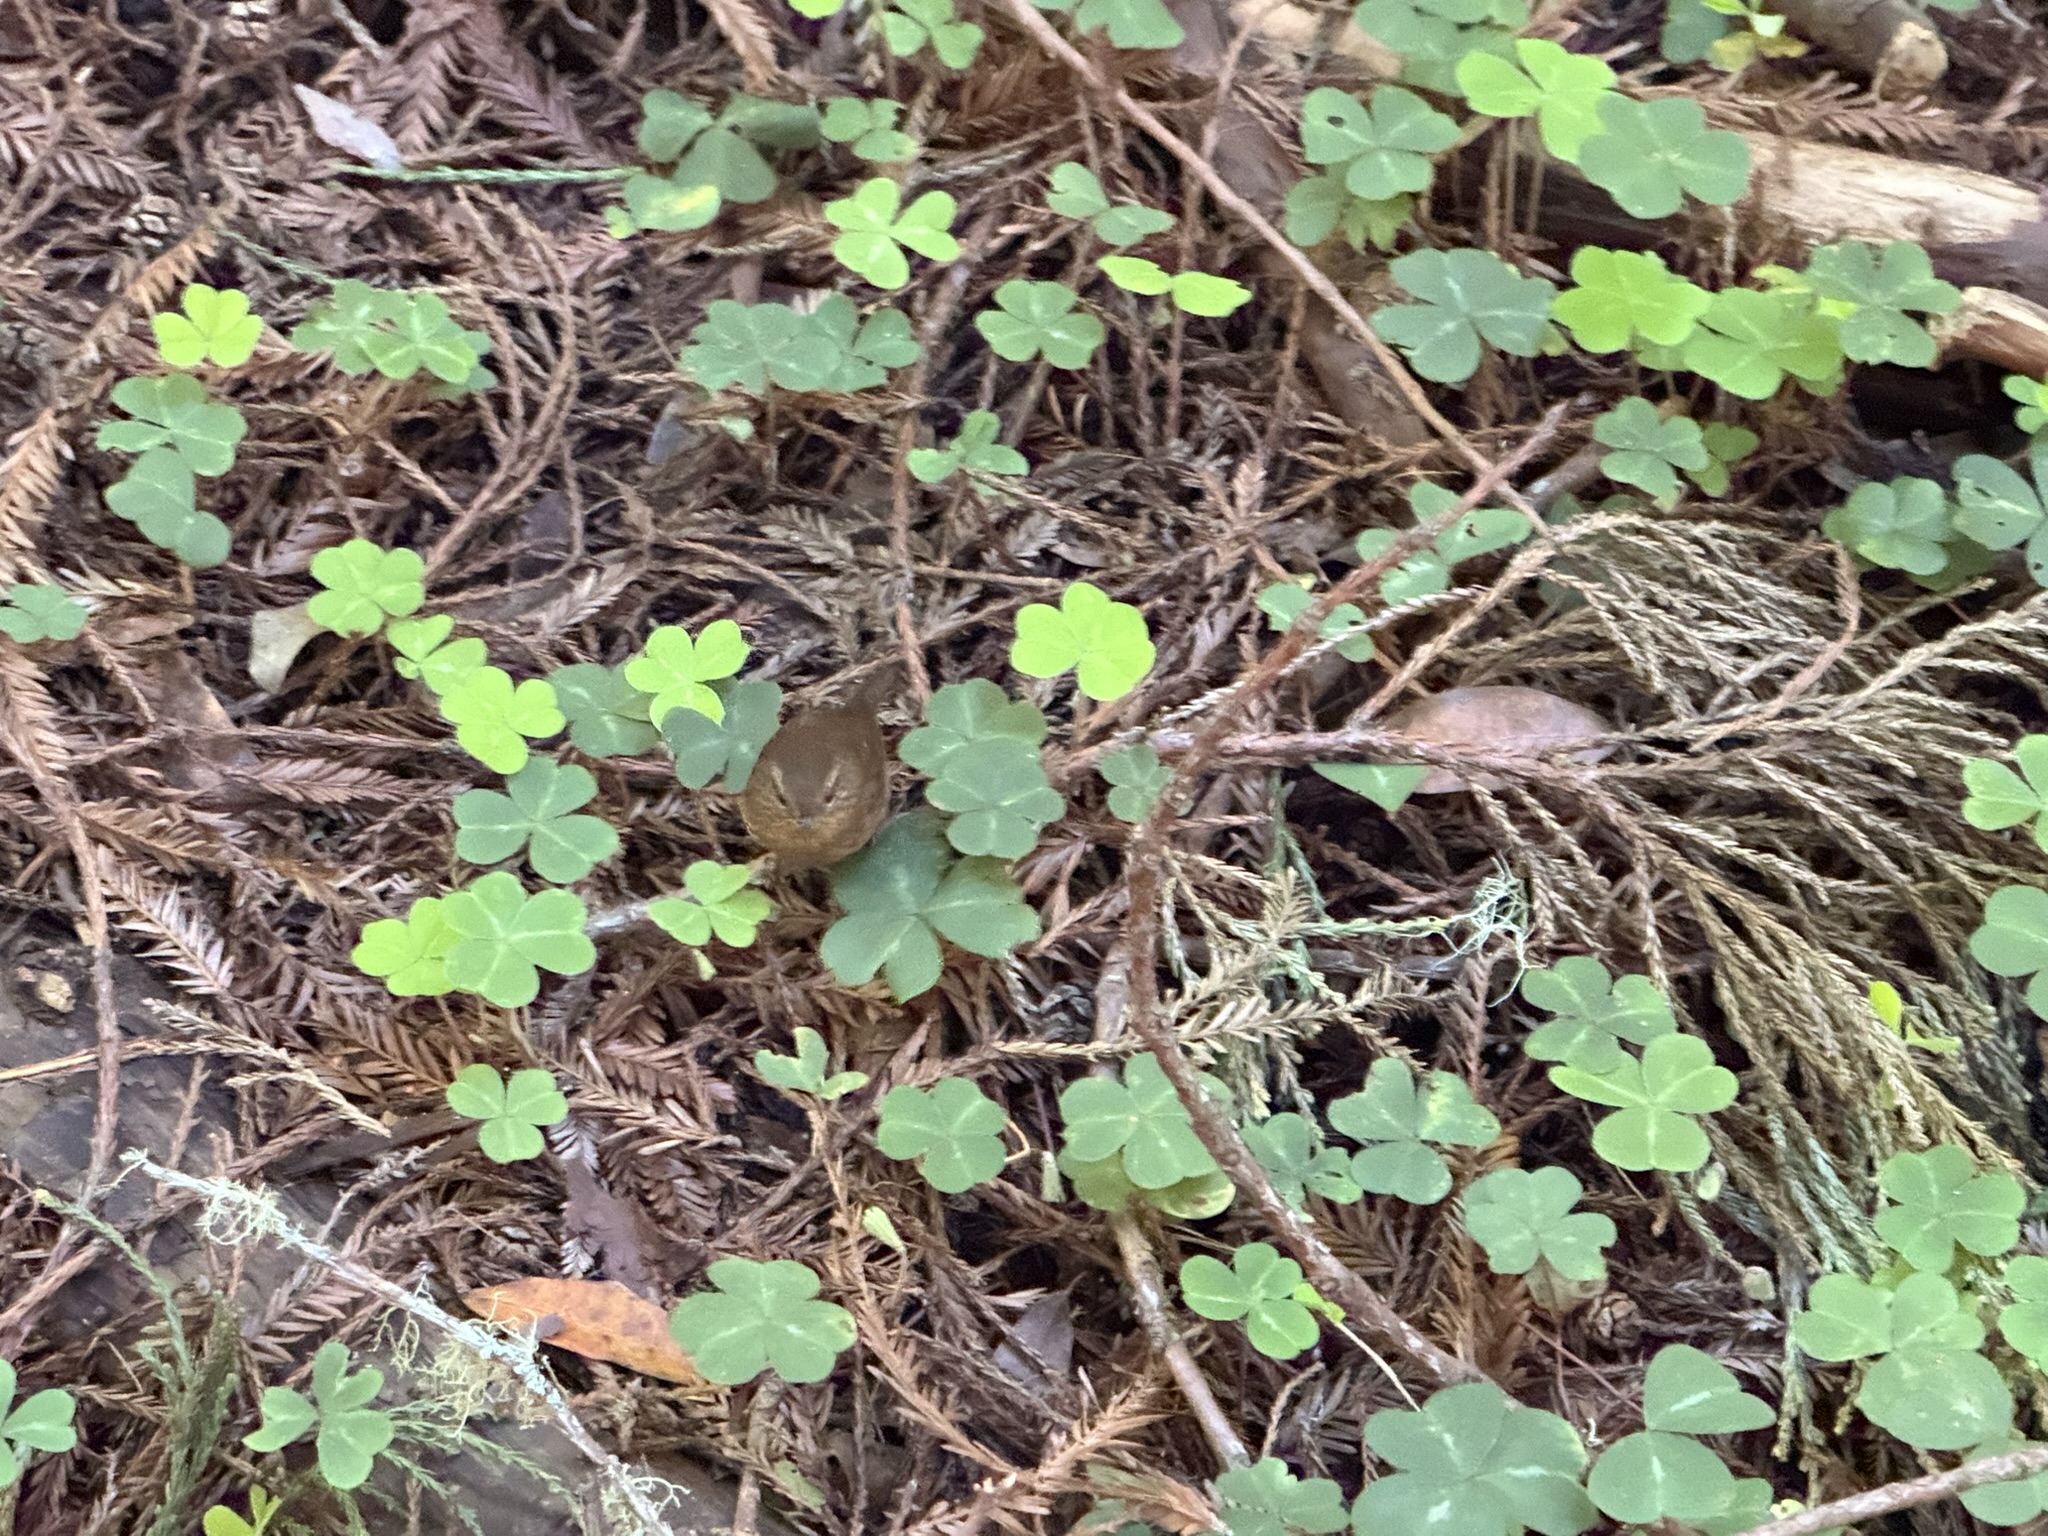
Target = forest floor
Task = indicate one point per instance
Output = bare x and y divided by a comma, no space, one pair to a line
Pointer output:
197,820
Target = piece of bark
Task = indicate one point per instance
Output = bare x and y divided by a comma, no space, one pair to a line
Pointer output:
1826,192
1886,42
1995,327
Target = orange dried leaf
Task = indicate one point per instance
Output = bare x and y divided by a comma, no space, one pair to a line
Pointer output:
598,1319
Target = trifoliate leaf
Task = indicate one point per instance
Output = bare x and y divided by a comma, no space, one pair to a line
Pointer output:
719,901
173,411
1563,91
1386,785
974,448
1466,296
494,720
407,954
1286,1147
1473,1463
704,748
1385,148
1904,526
512,1112
1520,1216
804,1072
34,613
1130,23
1258,1287
1623,295
157,496
607,715
2000,798
1140,1119
1032,318
506,938
1882,286
1653,153
1657,1098
675,671
761,1317
1595,1012
1747,341
1648,449
214,326
2013,940
953,1131
1107,643
998,796
365,585
875,232
1137,778
1267,1499
534,815
1944,1203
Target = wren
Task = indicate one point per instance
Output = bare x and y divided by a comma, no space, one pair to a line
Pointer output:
821,787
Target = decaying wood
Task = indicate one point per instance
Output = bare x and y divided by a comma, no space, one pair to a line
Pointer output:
1995,327
1886,42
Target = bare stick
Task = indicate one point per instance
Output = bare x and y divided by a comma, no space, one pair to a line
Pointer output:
1913,1493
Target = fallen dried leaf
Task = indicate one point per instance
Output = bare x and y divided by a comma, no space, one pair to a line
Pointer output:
1501,720
598,1319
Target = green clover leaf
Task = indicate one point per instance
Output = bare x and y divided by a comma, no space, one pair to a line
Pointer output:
1649,448
364,585
1726,445
1466,296
1944,1203
512,1112
1882,286
2013,940
875,233
748,345
1141,1120
2024,1323
761,1317
903,892
910,24
1520,1216
426,652
805,1071
351,1434
173,412
1562,91
722,160
1077,194
2032,396
1386,785
1747,341
1267,1499
954,1131
408,954
1473,1463
859,360
534,815
1030,318
1656,1099
1998,798
1595,1012
717,901
1395,1117
668,122
1106,642
1257,1286
998,796
156,495
1318,206
1623,295
2009,1503
1931,1388
1136,778
339,323
607,715
1286,1147
1385,148
1994,506
494,720
704,748
41,1422
508,937
1129,23
1653,153
974,448
34,613
1662,1473
1903,526
423,336
675,670
215,327
963,713
666,204
1193,293
869,127
1433,36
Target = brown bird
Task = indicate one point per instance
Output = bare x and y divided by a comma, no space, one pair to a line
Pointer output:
821,787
